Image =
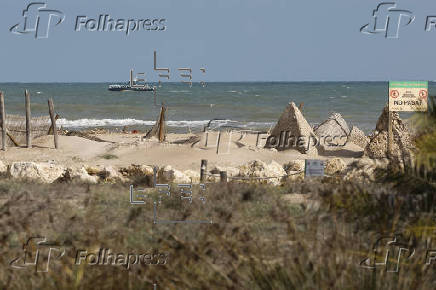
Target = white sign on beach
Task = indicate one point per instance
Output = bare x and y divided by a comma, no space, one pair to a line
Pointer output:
408,96
314,168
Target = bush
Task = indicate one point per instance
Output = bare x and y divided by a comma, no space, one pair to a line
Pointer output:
256,240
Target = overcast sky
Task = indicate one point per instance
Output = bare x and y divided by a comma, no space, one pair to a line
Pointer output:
235,40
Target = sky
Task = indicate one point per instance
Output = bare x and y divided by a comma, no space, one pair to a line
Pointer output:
234,40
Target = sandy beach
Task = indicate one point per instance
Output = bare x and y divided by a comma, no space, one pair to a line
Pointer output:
124,149
274,156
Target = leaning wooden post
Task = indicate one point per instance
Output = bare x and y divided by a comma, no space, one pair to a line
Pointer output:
12,138
50,130
28,119
218,142
203,170
53,122
2,111
257,139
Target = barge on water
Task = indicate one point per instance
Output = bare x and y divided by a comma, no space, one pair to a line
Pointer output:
132,85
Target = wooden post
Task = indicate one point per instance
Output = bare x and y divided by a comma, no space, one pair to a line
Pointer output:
162,124
53,122
305,168
131,77
218,142
207,138
28,120
2,111
223,176
390,135
50,130
203,170
12,138
230,141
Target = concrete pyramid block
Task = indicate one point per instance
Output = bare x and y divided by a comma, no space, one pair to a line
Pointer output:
333,132
292,131
402,148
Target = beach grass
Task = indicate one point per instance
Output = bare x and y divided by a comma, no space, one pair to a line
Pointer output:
256,240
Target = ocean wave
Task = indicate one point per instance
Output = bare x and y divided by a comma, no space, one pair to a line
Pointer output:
84,123
87,123
257,124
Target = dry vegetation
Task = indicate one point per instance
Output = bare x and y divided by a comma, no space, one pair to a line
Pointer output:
257,240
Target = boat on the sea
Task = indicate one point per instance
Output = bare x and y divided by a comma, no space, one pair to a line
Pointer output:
132,85
128,87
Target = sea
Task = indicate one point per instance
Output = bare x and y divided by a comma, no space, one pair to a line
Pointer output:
248,105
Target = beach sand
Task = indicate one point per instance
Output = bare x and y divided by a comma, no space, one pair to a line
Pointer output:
124,149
